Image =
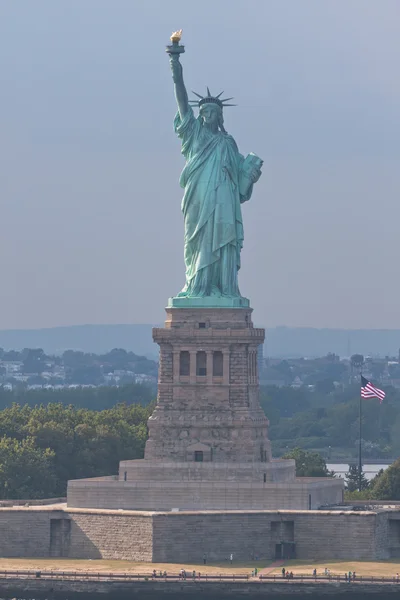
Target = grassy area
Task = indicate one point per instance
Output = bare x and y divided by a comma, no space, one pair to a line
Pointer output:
386,568
126,566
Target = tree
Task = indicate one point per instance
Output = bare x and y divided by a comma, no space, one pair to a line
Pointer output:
26,471
86,375
374,481
287,399
308,464
12,355
387,484
34,361
357,496
352,479
335,370
324,386
41,448
285,370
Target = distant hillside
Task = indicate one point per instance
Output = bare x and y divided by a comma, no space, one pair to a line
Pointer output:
311,342
88,338
280,341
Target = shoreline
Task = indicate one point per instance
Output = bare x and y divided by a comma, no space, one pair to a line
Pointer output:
61,589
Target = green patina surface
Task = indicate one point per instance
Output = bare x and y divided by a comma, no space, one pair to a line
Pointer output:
217,180
207,302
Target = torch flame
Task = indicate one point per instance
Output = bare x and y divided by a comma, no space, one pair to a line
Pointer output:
176,36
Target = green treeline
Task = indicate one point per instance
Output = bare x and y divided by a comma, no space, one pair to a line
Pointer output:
42,447
329,422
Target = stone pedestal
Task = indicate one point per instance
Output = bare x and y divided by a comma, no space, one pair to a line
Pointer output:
208,399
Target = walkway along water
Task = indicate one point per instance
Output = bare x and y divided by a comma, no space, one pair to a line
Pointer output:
71,585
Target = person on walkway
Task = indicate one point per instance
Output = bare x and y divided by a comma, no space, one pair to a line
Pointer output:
315,572
350,575
354,575
345,576
283,571
204,558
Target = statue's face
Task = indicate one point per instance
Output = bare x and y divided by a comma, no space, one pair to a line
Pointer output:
210,113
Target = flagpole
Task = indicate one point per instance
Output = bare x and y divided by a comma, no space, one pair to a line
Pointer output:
359,443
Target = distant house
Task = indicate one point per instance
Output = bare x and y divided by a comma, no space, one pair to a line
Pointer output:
12,366
142,378
296,383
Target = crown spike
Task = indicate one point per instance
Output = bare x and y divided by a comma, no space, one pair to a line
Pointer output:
210,99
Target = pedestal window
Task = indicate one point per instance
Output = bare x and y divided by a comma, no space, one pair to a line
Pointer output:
201,364
218,363
184,363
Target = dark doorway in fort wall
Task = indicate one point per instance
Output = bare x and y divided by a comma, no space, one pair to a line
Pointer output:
60,537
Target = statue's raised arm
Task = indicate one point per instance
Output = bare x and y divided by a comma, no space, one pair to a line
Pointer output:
177,73
180,90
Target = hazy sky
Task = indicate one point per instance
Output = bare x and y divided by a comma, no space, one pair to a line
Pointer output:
91,228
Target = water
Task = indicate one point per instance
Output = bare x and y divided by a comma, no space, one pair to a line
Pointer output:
369,470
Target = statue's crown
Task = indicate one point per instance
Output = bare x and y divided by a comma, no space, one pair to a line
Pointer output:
210,99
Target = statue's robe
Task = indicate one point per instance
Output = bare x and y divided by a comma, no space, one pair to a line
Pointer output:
211,209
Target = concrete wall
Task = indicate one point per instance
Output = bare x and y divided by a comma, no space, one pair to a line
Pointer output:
111,536
30,532
279,470
204,495
24,533
317,534
185,536
328,536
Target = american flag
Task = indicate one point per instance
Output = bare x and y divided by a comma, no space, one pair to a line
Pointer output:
370,391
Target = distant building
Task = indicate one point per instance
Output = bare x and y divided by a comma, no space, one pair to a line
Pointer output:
297,383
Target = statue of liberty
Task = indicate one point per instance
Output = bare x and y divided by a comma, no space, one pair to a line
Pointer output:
216,179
